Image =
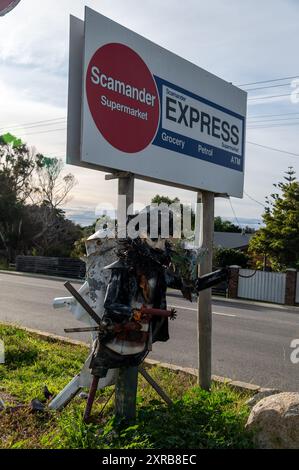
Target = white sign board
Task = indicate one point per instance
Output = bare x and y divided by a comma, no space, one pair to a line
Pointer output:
136,107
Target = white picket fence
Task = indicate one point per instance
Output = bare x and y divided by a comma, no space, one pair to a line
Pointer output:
263,285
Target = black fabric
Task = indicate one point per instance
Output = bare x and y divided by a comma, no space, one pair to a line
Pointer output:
123,288
104,359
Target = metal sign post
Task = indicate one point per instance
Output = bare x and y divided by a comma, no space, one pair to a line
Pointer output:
204,318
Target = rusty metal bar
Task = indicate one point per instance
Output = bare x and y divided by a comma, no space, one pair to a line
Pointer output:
91,397
82,302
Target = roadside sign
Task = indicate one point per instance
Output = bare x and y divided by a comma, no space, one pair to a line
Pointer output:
7,5
136,107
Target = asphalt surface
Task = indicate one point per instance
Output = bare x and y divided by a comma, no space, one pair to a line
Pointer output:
250,343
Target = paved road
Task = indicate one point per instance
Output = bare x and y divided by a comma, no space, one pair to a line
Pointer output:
250,343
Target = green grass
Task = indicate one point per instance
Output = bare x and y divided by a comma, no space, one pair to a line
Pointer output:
197,419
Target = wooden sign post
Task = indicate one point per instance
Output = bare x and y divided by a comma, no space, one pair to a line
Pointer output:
127,377
204,318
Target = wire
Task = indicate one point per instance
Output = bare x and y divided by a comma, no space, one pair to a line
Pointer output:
45,132
233,210
256,116
276,119
242,84
269,97
267,81
264,126
269,86
273,148
48,122
252,198
250,275
16,129
31,124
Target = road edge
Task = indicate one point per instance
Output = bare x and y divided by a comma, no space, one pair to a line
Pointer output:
235,384
43,276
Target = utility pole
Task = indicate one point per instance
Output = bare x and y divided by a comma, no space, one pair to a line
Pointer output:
127,377
204,316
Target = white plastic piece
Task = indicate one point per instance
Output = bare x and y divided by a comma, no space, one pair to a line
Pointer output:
62,302
82,380
100,253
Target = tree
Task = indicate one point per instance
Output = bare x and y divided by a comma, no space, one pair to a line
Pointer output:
17,164
221,225
278,240
228,256
10,220
185,210
26,176
158,199
53,189
53,234
79,250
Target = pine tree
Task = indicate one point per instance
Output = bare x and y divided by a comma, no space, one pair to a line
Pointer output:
278,240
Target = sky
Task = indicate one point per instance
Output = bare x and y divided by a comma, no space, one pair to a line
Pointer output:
241,42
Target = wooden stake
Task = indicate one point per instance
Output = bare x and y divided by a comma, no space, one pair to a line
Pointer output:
127,377
205,297
125,394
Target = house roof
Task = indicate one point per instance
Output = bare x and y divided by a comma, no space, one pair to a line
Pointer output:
231,240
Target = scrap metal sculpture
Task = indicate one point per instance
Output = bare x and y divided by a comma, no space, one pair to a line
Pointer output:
124,303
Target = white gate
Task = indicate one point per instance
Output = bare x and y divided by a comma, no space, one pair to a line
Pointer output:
263,285
297,289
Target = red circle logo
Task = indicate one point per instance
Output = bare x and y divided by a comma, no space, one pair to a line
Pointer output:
122,97
7,5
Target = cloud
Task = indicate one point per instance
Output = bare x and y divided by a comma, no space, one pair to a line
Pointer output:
239,41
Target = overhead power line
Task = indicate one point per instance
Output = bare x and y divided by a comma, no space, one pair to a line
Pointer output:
252,198
268,86
33,124
256,116
248,142
20,129
267,97
273,148
46,132
268,126
273,120
233,210
27,124
48,122
268,81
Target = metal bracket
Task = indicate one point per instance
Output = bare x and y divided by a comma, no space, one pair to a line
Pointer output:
118,174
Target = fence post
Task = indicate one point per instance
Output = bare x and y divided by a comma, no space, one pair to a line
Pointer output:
291,282
233,282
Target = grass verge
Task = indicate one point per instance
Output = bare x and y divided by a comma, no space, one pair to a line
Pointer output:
197,419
